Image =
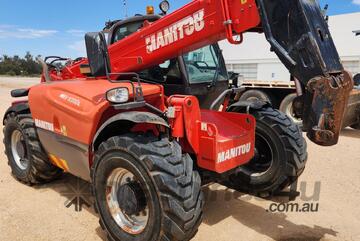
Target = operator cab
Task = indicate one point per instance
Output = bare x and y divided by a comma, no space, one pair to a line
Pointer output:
201,73
120,29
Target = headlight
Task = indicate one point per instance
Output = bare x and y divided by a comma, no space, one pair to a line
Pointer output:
164,6
117,96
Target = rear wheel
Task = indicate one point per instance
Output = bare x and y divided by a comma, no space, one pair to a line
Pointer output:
256,95
356,126
286,107
357,80
26,157
280,155
145,189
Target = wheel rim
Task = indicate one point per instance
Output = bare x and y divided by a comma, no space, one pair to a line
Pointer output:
133,223
263,159
18,149
289,111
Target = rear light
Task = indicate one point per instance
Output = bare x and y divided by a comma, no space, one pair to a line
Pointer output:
118,95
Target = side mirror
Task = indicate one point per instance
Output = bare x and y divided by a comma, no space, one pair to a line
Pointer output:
97,53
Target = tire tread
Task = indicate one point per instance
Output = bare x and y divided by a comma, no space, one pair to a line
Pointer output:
178,186
41,170
295,148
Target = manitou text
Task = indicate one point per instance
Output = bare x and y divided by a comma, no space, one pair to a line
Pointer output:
185,27
234,152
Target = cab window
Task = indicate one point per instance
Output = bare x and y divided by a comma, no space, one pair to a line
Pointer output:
205,64
125,30
167,72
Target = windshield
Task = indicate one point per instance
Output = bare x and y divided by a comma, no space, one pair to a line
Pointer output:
167,72
205,64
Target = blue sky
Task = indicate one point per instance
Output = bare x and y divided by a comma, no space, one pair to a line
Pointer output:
57,27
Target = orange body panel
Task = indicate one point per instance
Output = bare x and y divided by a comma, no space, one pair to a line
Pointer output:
75,107
221,141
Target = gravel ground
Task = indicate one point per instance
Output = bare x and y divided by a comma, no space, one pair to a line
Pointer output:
40,212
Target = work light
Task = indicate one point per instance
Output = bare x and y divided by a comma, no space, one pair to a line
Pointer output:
164,6
149,10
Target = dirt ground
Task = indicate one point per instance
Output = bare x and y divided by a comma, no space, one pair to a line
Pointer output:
40,212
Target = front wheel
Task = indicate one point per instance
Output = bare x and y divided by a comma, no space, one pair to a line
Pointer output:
146,189
280,155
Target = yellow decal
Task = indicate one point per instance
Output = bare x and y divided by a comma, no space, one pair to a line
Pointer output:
63,130
243,2
59,162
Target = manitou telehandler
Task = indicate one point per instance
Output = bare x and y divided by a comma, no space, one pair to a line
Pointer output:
149,116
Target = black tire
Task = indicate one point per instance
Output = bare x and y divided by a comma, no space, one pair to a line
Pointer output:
171,186
38,168
286,107
268,174
256,95
357,80
356,126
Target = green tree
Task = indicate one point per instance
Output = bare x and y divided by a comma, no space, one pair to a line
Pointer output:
19,66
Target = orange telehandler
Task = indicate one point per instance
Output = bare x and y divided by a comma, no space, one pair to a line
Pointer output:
149,116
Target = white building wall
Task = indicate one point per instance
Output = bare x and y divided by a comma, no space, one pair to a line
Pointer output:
255,51
272,72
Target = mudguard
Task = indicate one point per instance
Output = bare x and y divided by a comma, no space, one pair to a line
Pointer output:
247,105
19,108
131,116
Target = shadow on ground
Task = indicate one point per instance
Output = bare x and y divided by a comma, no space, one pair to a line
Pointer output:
272,225
348,132
77,193
220,204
